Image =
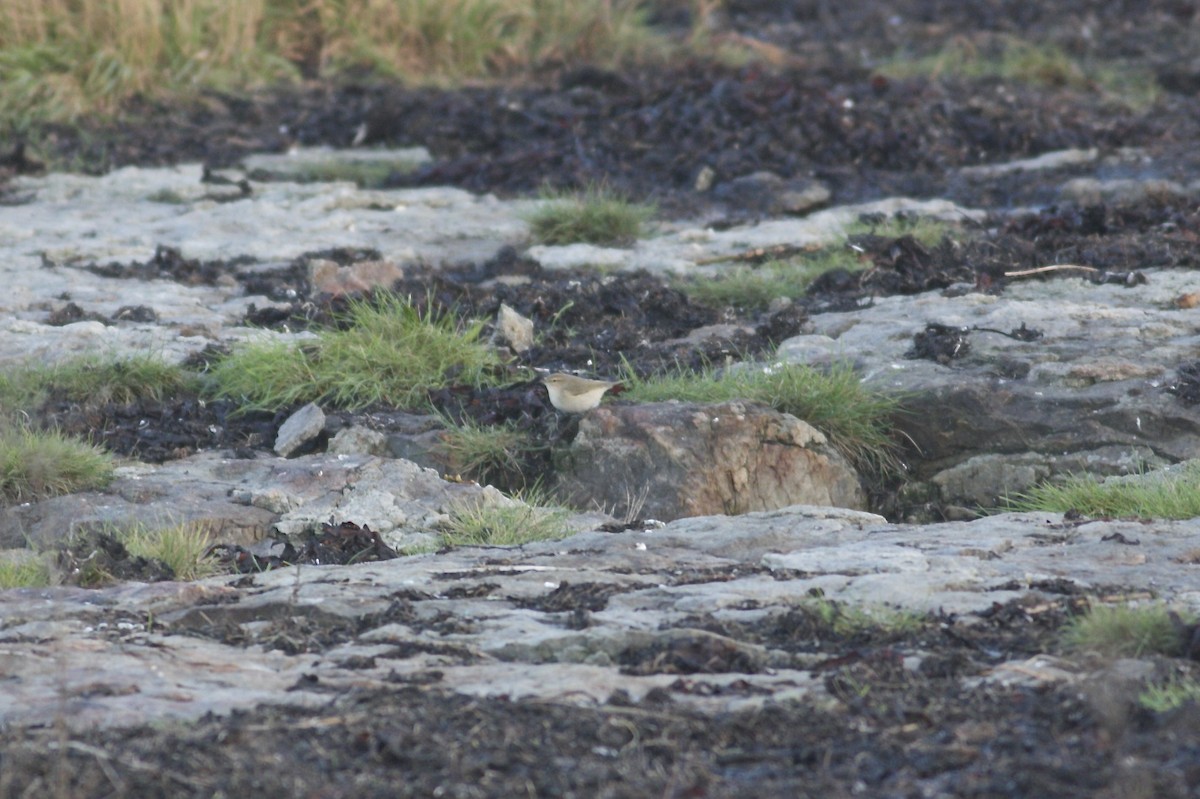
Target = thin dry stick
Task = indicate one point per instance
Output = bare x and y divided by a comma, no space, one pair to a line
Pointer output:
1054,268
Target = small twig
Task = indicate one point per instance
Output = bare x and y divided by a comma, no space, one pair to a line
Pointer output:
1054,268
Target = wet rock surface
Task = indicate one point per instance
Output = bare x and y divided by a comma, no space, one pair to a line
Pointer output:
703,658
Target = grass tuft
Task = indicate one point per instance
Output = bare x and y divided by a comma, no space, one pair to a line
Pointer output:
855,420
180,546
92,380
486,453
1122,631
484,523
61,59
456,39
18,570
927,230
1169,495
386,351
35,465
1173,694
98,381
594,216
753,288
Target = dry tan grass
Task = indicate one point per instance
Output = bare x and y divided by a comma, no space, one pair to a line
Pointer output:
62,58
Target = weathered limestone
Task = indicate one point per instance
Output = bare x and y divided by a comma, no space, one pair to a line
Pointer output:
469,619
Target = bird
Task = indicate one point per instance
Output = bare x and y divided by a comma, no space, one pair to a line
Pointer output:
574,394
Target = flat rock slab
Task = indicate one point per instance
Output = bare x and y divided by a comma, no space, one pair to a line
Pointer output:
552,620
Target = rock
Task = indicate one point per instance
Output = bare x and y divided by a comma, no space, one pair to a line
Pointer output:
571,256
988,480
206,490
332,279
326,163
491,621
801,197
424,448
397,434
1046,161
1089,395
513,330
1125,191
678,251
281,221
687,459
301,427
242,500
753,193
768,193
358,441
398,499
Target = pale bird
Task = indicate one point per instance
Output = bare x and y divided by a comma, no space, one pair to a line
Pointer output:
575,394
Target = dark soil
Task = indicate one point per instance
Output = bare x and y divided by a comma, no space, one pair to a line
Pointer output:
649,132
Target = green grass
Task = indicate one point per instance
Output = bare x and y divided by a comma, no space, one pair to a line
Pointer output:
1121,631
856,421
35,465
487,453
18,571
60,59
167,197
92,380
1171,695
21,389
494,524
180,546
386,352
593,215
96,380
754,287
1149,496
925,229
1035,63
